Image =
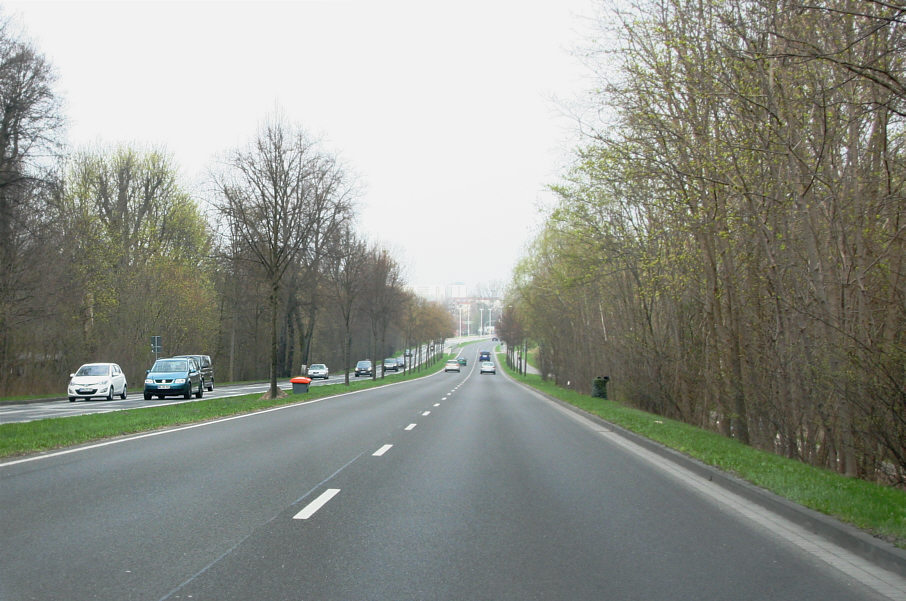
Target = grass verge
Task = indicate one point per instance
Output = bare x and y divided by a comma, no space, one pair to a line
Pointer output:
879,510
47,434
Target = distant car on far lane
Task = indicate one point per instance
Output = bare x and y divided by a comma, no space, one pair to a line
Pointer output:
390,364
318,370
97,380
487,368
363,368
451,365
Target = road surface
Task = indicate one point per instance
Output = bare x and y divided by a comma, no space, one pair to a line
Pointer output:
451,487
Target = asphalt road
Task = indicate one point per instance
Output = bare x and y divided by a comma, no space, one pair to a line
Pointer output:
455,486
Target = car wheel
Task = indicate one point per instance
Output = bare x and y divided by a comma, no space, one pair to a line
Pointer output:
123,394
200,392
147,396
72,399
110,392
188,393
211,385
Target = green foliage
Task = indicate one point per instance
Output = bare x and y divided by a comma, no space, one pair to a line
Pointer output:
727,245
140,254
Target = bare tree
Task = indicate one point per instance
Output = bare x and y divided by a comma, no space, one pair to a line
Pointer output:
346,271
384,292
266,196
29,122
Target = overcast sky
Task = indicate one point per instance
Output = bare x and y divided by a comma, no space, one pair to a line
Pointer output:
448,112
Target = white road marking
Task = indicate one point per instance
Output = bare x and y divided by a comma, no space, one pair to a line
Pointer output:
426,413
437,404
382,450
410,426
317,504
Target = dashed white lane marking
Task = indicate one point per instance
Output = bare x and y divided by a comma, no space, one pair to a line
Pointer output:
382,450
437,404
410,426
426,413
317,504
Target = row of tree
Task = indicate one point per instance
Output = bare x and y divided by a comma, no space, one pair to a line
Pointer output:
101,249
729,247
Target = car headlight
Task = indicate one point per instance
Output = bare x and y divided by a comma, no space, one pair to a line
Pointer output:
179,381
149,381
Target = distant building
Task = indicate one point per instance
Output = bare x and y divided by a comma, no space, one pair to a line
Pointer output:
429,293
456,290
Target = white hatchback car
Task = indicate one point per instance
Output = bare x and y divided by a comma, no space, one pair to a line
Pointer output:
318,370
97,380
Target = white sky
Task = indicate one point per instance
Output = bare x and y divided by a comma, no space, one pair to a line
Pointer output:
447,112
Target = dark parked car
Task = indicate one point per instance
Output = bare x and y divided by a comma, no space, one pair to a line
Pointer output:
363,368
172,377
207,369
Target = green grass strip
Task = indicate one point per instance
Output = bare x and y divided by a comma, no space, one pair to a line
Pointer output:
877,509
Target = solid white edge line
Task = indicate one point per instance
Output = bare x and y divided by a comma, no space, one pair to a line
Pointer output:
382,450
317,504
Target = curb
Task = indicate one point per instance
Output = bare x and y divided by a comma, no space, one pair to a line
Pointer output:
854,540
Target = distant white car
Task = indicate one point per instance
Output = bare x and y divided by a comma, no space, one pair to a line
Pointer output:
487,367
97,380
451,365
318,370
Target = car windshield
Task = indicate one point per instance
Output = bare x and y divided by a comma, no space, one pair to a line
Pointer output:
318,366
171,365
93,370
364,364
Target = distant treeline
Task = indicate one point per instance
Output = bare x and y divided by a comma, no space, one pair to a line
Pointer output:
101,249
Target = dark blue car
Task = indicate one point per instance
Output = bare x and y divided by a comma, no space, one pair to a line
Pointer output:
173,377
